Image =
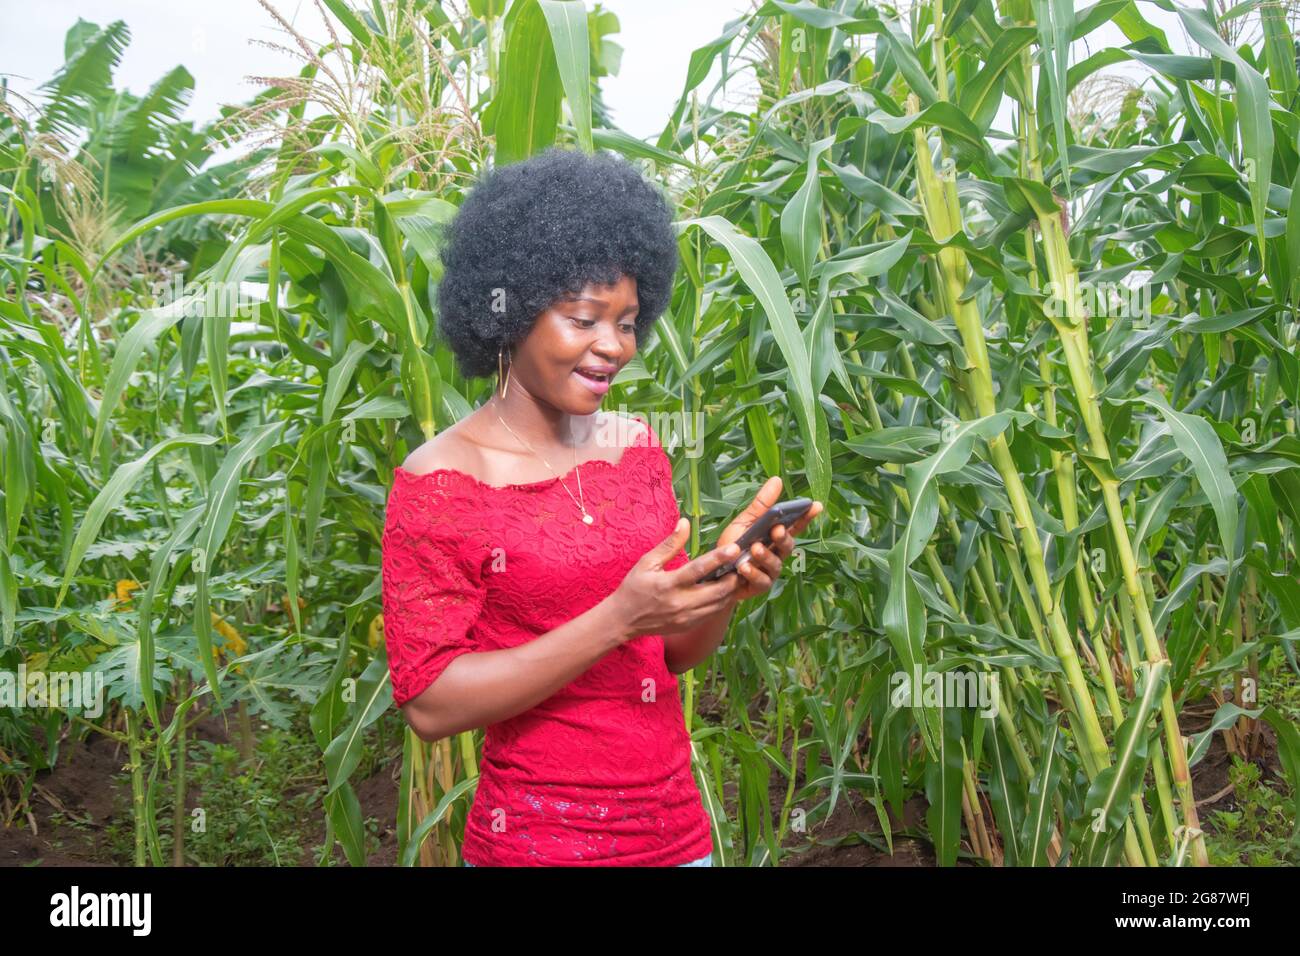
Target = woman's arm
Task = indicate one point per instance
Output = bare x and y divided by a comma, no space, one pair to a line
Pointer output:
683,651
489,686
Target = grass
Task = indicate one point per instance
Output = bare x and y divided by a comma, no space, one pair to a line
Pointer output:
1260,831
264,813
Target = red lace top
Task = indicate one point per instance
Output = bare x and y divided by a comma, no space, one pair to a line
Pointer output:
600,772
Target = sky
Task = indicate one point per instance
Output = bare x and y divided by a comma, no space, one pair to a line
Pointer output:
224,42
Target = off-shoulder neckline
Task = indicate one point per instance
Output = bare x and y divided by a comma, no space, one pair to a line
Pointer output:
479,483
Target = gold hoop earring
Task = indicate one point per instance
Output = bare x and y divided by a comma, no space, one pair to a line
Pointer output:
502,377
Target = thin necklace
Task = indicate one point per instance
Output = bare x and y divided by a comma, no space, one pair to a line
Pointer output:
580,501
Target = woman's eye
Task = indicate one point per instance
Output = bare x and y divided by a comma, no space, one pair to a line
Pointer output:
626,328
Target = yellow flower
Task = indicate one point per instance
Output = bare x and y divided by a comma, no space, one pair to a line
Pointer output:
232,643
376,631
122,594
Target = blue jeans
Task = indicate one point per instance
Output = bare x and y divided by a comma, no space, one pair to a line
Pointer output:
702,861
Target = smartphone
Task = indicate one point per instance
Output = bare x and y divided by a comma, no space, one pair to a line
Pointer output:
783,512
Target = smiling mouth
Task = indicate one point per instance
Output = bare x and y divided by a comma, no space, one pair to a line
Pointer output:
595,376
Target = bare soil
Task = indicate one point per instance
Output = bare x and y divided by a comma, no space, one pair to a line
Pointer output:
72,804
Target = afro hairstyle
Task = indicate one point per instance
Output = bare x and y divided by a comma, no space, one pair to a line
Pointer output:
533,231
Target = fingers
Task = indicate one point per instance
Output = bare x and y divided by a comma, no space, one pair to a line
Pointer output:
769,560
692,571
766,561
759,567
761,570
713,592
669,546
806,518
767,496
782,541
760,577
783,537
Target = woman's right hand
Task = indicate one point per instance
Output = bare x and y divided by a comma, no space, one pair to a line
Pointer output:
654,601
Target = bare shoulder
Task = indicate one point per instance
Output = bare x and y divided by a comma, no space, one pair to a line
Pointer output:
450,448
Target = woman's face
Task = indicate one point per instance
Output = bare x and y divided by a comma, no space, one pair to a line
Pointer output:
577,346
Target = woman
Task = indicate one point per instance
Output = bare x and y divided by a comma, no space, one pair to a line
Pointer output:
555,605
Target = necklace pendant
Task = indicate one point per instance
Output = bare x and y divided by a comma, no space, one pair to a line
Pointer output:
587,519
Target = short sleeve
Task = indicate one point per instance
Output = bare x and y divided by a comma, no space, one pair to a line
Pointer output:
665,493
431,600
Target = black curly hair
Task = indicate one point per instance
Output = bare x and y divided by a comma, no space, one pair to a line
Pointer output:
535,230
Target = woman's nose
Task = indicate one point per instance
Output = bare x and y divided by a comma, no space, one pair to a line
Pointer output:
608,346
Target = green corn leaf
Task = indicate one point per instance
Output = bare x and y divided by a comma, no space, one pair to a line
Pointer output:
110,496
567,20
1197,440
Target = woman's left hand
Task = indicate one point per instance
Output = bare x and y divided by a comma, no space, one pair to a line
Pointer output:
764,566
